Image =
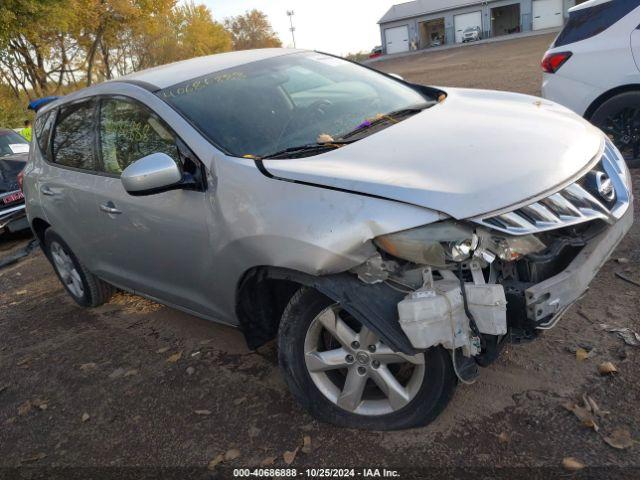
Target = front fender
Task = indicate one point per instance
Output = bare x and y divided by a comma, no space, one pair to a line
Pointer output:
373,305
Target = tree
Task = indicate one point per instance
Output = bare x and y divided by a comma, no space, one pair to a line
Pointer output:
252,30
56,46
189,31
34,43
199,33
357,57
49,45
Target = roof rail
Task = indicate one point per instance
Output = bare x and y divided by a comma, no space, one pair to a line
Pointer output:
38,103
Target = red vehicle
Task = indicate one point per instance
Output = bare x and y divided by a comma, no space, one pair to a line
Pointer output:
376,52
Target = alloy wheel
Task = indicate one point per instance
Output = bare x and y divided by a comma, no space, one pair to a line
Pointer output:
623,127
355,370
66,269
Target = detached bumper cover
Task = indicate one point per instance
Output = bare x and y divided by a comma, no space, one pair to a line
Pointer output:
547,300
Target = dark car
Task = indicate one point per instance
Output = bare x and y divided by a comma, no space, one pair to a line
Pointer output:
14,151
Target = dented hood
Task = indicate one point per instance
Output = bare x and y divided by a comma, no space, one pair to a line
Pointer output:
475,153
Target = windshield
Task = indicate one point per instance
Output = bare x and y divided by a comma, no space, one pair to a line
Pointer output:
12,143
287,101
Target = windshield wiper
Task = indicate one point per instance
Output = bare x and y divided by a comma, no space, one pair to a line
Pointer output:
313,148
392,117
316,148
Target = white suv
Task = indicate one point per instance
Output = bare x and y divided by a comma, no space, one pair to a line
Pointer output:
593,67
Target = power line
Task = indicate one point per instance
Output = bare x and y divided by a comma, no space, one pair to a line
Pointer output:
291,13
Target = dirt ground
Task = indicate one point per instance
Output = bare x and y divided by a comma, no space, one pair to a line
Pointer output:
512,65
135,384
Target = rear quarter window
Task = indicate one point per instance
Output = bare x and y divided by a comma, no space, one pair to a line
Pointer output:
42,129
589,22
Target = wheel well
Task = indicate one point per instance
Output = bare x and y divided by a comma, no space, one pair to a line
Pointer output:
608,95
264,292
260,303
39,226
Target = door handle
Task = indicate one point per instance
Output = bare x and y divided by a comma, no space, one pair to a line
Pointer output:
110,208
47,191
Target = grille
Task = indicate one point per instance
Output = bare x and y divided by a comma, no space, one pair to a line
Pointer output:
578,203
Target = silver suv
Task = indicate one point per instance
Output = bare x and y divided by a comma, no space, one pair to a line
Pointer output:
471,34
382,231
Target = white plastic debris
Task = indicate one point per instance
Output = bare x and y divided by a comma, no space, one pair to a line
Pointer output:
629,336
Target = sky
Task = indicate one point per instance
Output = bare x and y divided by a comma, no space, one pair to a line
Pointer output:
332,26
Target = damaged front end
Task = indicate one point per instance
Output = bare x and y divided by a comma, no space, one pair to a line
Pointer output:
450,294
472,286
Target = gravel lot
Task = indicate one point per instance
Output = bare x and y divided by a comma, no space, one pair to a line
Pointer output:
512,65
136,384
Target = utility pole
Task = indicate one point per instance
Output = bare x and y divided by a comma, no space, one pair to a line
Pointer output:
291,13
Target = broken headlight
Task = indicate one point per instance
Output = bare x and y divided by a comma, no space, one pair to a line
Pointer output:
510,248
444,242
435,244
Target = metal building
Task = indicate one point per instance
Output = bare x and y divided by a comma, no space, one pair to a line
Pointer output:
427,23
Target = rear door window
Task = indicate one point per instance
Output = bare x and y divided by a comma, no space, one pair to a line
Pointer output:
589,22
130,131
73,137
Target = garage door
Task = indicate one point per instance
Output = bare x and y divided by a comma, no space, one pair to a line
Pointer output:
397,39
461,22
547,14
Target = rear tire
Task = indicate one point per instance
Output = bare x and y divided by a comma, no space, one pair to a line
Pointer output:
619,119
85,288
425,382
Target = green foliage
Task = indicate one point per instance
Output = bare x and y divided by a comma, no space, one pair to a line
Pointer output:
252,30
198,34
56,46
357,57
187,31
13,112
31,18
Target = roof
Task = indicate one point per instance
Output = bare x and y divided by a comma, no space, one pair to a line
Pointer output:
174,73
587,4
423,7
158,78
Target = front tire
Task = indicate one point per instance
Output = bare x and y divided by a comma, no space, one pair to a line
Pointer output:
343,374
86,289
619,119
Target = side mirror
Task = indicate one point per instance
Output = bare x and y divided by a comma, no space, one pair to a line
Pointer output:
151,174
395,75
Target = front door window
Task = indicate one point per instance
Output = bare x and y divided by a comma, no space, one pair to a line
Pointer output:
130,131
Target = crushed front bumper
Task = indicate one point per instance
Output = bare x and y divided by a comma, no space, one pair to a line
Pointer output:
548,300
